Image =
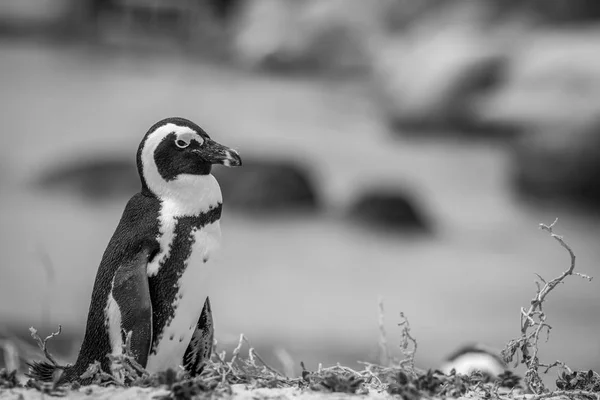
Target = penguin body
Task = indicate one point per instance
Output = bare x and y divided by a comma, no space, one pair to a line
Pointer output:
152,280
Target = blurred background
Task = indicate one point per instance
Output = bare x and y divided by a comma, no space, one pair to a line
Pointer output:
403,149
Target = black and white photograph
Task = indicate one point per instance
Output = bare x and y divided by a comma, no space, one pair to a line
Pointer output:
300,199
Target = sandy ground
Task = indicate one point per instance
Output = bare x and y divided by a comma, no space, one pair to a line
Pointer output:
239,392
307,285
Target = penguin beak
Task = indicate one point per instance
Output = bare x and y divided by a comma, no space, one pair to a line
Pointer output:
215,153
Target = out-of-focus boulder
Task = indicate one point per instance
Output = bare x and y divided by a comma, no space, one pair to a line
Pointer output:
307,34
553,79
96,179
36,13
563,11
259,186
268,186
431,76
552,96
389,210
560,163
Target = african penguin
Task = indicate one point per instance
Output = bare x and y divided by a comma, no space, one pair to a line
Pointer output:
151,280
475,357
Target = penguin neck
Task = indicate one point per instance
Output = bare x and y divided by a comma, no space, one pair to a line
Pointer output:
190,195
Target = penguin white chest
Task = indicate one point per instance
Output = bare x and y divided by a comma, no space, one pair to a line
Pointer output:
191,285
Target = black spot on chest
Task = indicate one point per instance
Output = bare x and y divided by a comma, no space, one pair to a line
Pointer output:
164,286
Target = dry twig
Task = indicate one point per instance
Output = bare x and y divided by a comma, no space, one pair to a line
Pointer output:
533,322
43,343
405,344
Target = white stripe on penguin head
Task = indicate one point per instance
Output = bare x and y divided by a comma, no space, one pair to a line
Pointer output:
192,193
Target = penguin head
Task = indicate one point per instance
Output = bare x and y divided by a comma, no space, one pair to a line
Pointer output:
176,153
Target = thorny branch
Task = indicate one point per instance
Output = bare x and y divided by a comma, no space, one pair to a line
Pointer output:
533,322
408,344
42,343
405,343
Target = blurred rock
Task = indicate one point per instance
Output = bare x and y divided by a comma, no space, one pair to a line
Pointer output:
552,96
556,12
560,163
307,34
564,11
95,179
431,76
200,27
389,209
268,187
36,14
259,186
553,79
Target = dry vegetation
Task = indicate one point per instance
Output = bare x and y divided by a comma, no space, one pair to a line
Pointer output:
392,376
533,323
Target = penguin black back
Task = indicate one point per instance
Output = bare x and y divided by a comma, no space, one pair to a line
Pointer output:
136,231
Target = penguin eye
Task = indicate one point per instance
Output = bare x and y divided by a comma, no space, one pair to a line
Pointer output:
182,144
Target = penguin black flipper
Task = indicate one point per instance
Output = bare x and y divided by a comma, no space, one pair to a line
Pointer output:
132,294
200,347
